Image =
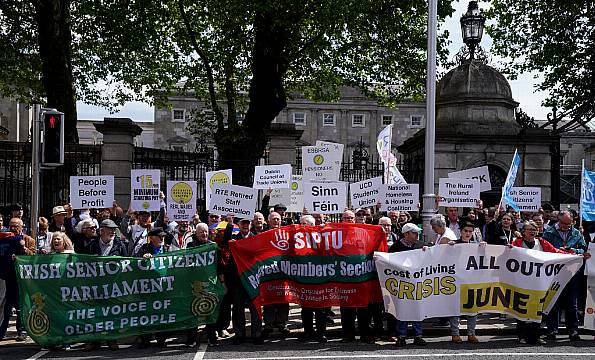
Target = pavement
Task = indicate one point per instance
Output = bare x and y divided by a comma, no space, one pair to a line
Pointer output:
498,340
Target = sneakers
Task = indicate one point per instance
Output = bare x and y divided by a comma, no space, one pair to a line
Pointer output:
540,342
321,339
21,337
223,333
418,340
472,339
456,339
400,342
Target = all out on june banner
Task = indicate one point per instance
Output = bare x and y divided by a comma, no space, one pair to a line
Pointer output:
314,266
467,279
69,298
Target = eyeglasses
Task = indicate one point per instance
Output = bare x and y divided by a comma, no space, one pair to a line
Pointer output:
91,227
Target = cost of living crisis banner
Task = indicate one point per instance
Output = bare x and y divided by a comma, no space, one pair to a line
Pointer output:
464,279
312,266
70,298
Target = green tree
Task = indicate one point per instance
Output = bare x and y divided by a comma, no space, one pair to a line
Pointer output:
555,38
233,55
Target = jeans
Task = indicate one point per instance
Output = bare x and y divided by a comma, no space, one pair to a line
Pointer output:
454,325
568,302
402,328
240,298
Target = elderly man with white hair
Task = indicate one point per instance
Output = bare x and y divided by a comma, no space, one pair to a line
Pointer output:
443,233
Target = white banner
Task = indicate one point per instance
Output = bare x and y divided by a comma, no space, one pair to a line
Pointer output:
325,197
527,198
181,200
239,201
365,193
212,177
272,176
448,280
280,196
322,162
458,192
399,197
590,303
296,203
87,192
479,173
144,190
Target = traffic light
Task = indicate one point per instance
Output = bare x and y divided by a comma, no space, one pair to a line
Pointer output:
52,153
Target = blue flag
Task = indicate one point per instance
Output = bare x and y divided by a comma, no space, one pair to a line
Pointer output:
510,178
588,195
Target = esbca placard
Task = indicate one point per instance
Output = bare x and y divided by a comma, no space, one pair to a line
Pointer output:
91,191
296,203
321,162
325,197
181,200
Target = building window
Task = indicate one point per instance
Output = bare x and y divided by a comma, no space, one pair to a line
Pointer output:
387,119
299,118
328,119
178,115
417,121
357,120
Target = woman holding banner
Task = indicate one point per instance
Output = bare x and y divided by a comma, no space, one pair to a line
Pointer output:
467,232
528,332
61,244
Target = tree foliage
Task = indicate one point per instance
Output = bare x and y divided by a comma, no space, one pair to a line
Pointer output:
232,55
555,38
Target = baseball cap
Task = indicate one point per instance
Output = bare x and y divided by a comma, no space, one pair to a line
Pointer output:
157,232
107,223
410,227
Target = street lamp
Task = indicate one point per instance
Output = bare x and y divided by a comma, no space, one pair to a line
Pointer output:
472,27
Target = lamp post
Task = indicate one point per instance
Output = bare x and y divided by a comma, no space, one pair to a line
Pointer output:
472,27
429,198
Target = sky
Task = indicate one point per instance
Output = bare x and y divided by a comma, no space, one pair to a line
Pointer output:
522,89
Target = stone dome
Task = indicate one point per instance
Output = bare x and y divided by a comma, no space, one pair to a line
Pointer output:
475,98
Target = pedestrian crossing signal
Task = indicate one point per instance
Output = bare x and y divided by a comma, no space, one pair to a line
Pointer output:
53,138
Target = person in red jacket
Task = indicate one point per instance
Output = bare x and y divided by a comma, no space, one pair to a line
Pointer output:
528,332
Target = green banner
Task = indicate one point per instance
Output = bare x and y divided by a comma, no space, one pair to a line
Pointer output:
70,298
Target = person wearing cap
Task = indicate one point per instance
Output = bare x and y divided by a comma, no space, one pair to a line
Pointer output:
280,209
61,216
467,230
409,241
155,246
182,236
107,244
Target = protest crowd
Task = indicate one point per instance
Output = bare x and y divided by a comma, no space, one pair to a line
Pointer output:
113,232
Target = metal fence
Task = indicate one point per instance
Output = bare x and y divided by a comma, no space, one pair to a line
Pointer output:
15,174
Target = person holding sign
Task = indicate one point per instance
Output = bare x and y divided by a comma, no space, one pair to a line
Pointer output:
409,241
467,229
528,332
443,232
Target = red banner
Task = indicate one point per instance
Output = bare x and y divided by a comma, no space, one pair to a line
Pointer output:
314,266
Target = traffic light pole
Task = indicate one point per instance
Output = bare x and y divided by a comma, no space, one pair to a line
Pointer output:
35,170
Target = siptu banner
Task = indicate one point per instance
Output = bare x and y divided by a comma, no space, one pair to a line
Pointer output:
70,298
467,279
315,267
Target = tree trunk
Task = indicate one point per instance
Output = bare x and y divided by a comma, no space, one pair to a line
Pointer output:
55,39
240,149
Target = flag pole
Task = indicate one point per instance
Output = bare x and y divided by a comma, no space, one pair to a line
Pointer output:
580,204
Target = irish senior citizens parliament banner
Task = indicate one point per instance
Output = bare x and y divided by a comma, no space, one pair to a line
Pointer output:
462,279
315,266
69,298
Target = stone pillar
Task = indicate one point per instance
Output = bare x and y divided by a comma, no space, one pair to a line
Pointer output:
282,138
117,154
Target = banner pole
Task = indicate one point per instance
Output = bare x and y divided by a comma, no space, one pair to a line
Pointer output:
580,204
